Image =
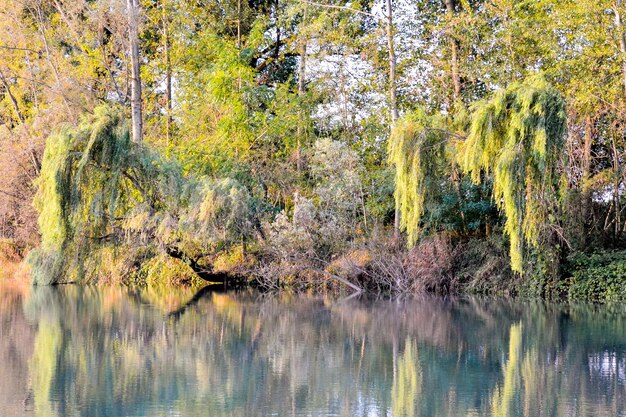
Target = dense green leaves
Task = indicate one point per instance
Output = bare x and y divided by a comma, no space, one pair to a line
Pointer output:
598,277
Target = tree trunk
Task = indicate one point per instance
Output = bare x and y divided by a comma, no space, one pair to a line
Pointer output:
135,98
622,39
239,24
301,91
11,97
617,182
168,77
205,273
299,133
586,174
302,68
454,46
393,99
622,46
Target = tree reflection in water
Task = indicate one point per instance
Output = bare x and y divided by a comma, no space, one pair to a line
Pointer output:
113,351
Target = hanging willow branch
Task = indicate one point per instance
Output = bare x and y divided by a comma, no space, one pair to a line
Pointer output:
518,136
418,148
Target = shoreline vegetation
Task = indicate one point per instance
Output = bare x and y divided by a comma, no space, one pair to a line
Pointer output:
590,278
317,146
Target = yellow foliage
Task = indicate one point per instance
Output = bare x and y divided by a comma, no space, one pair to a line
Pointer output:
417,148
503,395
232,260
407,383
518,136
165,270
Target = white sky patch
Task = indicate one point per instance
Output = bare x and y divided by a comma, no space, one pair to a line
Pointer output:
348,77
351,76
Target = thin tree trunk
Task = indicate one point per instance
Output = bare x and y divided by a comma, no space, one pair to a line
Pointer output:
302,68
168,77
67,21
456,79
586,173
621,37
616,188
301,91
12,97
239,24
616,166
393,100
135,98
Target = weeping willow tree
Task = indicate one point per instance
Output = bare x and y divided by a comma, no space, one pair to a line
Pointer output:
80,189
515,139
518,137
98,189
419,151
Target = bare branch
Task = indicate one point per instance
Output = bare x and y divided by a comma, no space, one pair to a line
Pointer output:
15,48
346,8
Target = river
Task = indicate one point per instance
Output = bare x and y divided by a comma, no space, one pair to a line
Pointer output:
116,351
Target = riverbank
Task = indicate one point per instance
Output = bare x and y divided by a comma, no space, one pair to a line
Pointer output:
477,266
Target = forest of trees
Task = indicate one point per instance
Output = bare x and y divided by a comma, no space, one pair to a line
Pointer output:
398,146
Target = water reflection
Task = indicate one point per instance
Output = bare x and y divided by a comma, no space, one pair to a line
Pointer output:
72,351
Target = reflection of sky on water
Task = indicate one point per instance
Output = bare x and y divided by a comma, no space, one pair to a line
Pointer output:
73,351
609,366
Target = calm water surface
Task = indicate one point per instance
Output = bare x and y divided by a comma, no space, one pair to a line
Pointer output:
72,351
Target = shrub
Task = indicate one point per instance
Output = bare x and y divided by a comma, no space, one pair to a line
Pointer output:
164,270
483,266
598,277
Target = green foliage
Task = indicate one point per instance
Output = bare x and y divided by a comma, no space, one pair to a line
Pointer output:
81,187
483,266
518,136
515,139
600,284
380,201
218,213
461,208
336,170
598,277
542,272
